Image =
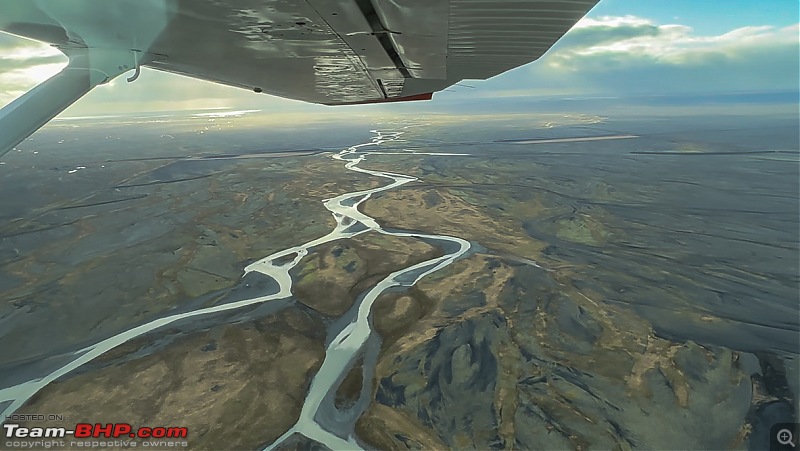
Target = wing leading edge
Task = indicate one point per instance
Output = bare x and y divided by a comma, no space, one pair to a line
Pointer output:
333,52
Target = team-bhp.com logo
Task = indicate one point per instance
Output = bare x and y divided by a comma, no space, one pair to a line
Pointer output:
87,430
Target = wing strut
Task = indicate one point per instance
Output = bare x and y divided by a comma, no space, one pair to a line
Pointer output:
86,69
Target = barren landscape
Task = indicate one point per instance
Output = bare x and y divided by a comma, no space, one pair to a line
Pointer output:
615,290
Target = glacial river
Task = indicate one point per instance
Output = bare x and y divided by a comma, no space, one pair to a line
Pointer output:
348,344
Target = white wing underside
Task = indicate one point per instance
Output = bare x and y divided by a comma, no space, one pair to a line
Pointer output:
322,51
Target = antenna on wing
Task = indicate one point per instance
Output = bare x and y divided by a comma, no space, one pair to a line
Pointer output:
137,66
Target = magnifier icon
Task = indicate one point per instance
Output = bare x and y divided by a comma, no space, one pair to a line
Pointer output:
785,437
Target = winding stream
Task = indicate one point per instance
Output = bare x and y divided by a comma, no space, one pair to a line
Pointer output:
347,345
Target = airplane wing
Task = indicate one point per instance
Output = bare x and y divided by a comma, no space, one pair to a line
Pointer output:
333,52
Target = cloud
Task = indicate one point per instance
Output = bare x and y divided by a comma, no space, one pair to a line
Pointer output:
634,55
593,32
672,43
23,64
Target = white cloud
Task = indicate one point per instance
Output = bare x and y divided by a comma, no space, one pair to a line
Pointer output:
630,37
628,54
24,64
612,21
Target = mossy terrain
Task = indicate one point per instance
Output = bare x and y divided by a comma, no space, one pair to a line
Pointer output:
251,377
329,279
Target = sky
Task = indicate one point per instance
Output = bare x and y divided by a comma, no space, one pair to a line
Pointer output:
621,48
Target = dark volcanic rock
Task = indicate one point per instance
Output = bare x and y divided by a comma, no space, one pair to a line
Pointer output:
297,442
460,359
534,364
